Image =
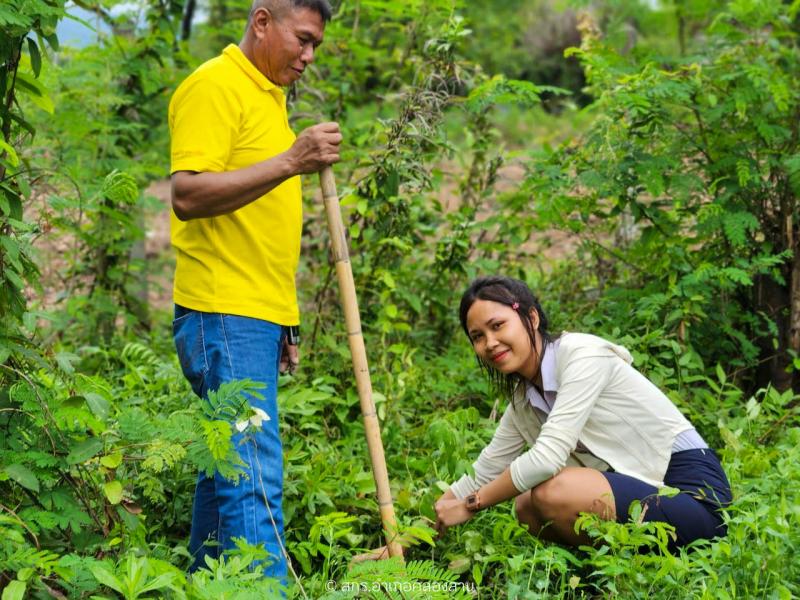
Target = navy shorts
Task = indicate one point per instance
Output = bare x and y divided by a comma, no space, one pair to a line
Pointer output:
695,512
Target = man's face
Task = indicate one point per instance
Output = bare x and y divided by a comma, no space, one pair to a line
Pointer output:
285,43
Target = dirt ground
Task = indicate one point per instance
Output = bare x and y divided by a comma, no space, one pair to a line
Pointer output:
158,250
158,253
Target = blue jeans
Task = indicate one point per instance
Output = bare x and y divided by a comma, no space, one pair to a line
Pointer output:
215,348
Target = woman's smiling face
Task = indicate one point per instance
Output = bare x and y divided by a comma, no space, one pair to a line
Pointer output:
500,338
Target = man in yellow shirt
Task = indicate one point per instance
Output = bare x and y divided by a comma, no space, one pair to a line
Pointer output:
236,224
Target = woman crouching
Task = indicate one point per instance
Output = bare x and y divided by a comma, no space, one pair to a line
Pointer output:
584,431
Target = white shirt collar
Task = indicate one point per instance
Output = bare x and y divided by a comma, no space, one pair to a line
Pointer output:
549,383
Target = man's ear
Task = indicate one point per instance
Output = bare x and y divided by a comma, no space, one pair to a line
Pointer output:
261,20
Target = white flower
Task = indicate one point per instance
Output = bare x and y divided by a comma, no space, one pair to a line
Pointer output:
257,417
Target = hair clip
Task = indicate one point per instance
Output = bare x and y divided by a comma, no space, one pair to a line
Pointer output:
515,306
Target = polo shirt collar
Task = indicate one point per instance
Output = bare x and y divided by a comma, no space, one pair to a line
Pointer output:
235,53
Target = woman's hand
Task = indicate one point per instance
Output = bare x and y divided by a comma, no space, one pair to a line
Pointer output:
450,511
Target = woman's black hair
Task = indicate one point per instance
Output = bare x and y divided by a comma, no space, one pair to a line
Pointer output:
516,295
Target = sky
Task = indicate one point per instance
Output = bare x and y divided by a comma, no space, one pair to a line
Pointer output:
73,33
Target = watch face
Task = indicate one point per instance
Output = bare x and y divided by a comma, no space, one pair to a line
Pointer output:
472,502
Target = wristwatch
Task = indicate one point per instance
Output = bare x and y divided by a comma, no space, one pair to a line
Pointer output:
473,502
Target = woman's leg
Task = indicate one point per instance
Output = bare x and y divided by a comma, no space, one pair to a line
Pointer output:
694,512
551,508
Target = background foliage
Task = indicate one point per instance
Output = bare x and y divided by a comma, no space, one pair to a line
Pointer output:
645,184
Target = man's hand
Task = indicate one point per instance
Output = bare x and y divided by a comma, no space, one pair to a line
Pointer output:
315,148
289,358
210,194
450,511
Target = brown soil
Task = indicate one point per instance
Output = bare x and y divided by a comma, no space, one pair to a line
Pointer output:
158,250
53,247
551,245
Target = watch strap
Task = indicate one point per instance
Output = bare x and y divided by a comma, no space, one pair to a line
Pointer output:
473,502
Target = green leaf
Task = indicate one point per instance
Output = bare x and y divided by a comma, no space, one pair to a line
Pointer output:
13,159
792,165
737,276
499,90
113,491
737,225
65,360
15,590
23,123
14,279
84,450
35,91
218,438
25,573
105,577
389,280
12,251
459,565
720,374
161,581
477,573
99,406
36,57
9,16
73,402
23,476
120,188
112,461
668,491
52,39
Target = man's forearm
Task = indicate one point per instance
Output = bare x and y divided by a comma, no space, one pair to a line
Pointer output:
201,195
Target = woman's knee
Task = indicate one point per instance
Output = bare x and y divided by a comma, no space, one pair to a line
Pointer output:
523,508
572,491
548,498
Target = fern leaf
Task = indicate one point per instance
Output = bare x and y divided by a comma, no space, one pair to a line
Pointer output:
737,225
218,438
499,90
139,354
229,401
120,188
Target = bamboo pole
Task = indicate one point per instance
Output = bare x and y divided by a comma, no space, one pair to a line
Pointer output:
347,294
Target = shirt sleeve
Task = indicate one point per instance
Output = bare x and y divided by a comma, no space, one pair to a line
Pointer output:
582,381
506,445
204,124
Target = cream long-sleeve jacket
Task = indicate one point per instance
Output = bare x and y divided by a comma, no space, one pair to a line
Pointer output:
618,414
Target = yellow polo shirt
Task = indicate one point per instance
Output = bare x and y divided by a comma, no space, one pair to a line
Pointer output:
225,116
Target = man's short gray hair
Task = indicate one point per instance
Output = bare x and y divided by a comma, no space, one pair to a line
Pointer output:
322,7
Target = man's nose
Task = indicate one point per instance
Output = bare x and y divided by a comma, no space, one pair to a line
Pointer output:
307,56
